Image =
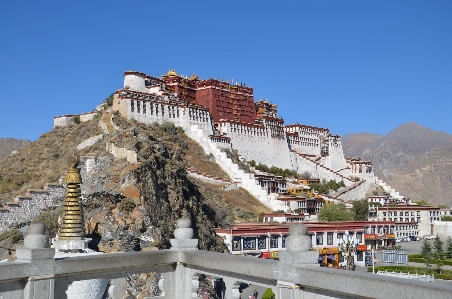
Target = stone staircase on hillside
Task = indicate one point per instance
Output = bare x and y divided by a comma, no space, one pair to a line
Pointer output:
388,189
238,176
347,189
106,119
314,161
197,134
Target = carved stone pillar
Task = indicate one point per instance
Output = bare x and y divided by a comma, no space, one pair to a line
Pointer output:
37,252
183,241
298,253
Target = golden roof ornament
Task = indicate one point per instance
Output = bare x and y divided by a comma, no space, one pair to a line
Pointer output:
170,73
194,77
73,227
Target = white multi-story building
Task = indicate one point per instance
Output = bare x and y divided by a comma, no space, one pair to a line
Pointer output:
412,220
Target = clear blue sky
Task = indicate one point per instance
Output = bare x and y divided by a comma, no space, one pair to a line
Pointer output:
350,66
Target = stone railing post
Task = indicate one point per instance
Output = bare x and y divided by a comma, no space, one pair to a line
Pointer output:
298,253
183,240
36,250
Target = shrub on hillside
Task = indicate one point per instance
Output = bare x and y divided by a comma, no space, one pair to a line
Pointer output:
50,220
127,205
77,119
244,214
14,234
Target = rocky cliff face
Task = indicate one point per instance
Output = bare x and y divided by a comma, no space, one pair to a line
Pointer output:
135,206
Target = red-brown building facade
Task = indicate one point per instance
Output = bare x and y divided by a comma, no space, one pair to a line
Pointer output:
224,100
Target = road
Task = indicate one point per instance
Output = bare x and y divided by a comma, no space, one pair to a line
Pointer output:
248,290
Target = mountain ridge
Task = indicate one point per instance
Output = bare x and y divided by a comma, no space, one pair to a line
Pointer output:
395,154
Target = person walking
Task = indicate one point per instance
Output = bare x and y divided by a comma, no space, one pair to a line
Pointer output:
255,294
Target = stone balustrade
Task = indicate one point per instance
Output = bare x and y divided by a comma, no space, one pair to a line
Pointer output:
177,272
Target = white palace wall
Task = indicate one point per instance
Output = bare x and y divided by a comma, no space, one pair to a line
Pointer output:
301,145
336,154
254,143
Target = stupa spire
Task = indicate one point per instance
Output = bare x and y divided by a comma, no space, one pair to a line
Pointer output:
73,227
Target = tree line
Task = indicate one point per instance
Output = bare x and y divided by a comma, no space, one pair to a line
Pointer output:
339,212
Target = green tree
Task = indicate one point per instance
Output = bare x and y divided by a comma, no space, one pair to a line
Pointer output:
426,252
334,212
375,204
438,246
422,203
449,247
268,294
446,218
261,217
439,253
360,210
306,175
77,119
109,100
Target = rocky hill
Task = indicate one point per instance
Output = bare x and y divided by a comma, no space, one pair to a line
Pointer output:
133,206
10,145
408,156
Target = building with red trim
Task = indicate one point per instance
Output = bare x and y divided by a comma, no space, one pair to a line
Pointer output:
256,239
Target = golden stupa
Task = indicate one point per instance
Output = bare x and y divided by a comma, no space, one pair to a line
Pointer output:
73,226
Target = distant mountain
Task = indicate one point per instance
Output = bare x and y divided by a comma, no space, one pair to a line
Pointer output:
8,145
393,156
396,148
428,177
358,143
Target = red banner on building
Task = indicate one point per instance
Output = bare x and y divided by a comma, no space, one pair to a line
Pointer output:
371,236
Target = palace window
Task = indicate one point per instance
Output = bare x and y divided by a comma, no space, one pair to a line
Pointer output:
249,243
261,242
359,237
236,244
359,255
132,106
274,242
144,107
340,235
329,239
319,239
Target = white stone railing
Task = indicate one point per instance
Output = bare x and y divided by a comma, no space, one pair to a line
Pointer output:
175,273
420,277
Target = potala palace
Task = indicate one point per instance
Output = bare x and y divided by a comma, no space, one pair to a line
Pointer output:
220,115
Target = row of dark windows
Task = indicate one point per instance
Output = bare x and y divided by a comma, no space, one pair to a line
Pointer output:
329,238
253,243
